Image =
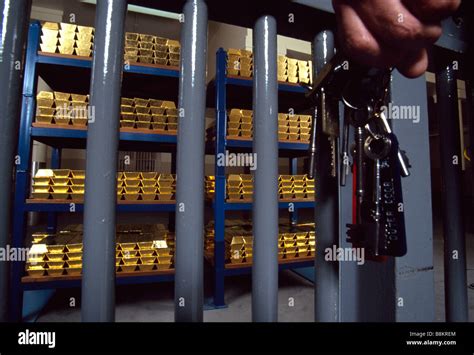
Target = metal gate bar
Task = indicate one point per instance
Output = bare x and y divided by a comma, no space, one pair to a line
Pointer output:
190,165
265,148
98,279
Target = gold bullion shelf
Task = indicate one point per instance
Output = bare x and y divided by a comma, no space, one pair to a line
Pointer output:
77,57
34,279
122,129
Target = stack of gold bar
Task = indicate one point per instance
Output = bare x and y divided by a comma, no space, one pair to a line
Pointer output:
240,123
59,184
239,62
296,187
63,184
84,41
138,248
157,115
294,127
290,127
239,187
49,37
293,242
62,108
210,186
149,49
294,70
66,38
146,186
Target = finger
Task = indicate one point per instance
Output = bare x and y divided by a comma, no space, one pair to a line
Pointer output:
414,64
359,43
395,25
429,10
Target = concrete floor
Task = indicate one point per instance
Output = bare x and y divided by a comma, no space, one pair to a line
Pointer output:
152,303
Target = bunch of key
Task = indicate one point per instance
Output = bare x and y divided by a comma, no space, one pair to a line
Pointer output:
377,161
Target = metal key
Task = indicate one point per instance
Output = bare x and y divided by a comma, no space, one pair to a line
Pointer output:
345,166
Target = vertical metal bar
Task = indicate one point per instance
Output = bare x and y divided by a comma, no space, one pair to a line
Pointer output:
265,146
13,33
455,279
55,164
190,165
326,286
219,196
98,281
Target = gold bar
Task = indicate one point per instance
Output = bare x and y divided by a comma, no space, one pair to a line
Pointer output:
174,49
146,38
160,61
174,63
129,36
145,59
160,40
174,43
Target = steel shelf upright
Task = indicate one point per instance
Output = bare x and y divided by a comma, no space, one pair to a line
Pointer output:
292,149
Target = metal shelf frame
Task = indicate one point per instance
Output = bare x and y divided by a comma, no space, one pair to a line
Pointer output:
293,150
59,138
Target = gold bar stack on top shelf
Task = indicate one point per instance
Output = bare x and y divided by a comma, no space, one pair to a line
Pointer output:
290,127
65,38
240,63
149,49
298,243
63,184
239,188
138,248
157,115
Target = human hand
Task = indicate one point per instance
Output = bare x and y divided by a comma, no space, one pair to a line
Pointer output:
391,33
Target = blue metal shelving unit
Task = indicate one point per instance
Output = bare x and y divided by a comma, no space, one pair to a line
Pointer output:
221,82
59,138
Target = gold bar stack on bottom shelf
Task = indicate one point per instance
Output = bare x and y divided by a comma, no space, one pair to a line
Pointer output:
300,242
66,38
61,108
156,115
149,49
240,62
295,128
63,184
139,248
